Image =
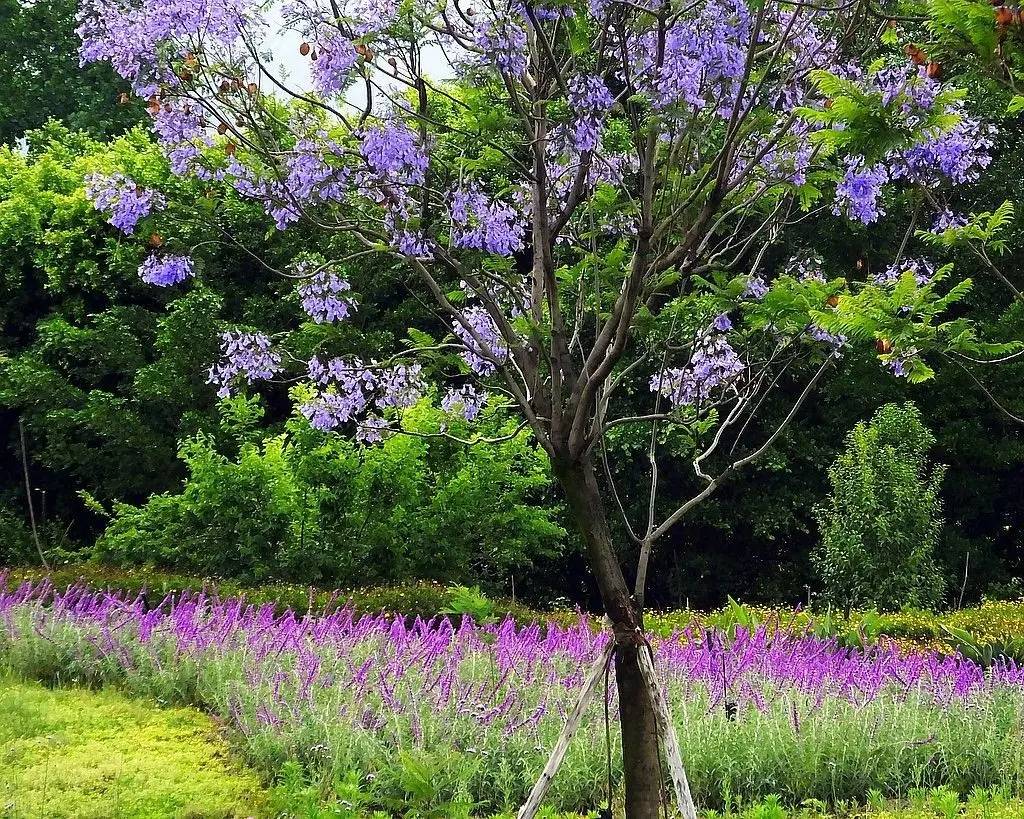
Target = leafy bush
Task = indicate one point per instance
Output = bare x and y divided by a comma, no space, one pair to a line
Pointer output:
313,507
881,524
15,540
464,601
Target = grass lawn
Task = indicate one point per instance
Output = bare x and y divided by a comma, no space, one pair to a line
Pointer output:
79,753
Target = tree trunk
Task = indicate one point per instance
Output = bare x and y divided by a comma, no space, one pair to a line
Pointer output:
640,752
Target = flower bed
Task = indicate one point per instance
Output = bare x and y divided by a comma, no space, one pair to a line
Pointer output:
475,708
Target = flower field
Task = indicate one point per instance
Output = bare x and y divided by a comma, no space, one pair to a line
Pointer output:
460,714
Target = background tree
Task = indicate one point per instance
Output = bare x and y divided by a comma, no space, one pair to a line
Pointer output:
880,526
40,76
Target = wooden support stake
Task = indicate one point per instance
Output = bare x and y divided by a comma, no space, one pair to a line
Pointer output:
590,686
684,800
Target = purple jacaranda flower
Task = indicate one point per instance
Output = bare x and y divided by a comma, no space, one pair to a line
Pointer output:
165,270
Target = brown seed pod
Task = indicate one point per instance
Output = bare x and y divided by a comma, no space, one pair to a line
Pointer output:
190,60
832,301
304,49
934,70
916,55
314,56
253,89
883,345
222,128
392,62
229,148
225,86
1004,16
155,240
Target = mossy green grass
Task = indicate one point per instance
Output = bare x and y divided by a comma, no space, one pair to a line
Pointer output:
71,752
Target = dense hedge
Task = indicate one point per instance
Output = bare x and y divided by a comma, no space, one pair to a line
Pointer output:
420,599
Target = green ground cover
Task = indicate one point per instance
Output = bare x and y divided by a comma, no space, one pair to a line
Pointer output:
79,753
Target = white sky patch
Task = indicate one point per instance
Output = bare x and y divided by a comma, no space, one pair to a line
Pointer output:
281,54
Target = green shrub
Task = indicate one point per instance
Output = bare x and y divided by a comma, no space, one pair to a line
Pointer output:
15,540
464,601
318,508
880,526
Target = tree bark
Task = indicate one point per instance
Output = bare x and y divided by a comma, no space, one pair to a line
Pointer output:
640,752
641,764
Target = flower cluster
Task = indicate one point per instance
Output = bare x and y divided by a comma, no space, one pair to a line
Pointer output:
322,297
135,36
857,195
787,161
394,155
590,100
701,59
482,224
911,87
502,44
333,66
947,220
756,288
245,357
399,386
958,154
807,267
165,271
123,200
922,270
310,177
348,388
899,362
713,365
371,429
465,400
834,340
482,356
395,163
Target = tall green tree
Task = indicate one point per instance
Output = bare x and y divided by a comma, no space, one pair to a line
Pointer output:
40,75
880,526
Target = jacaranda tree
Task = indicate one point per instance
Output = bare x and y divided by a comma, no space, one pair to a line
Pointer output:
590,202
